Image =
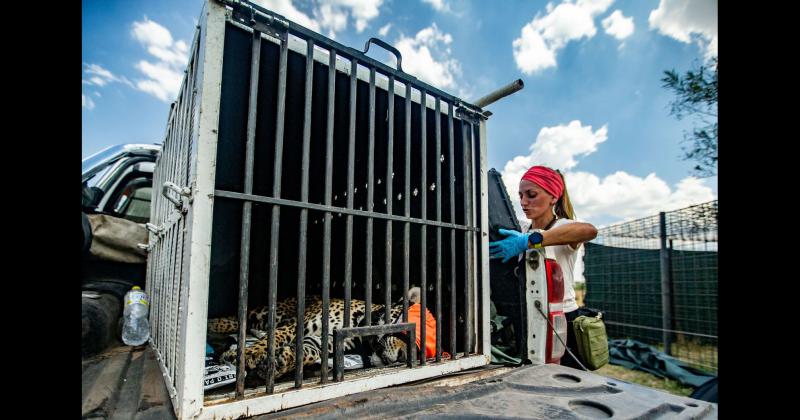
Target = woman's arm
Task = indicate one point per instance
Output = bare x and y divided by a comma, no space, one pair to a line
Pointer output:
571,233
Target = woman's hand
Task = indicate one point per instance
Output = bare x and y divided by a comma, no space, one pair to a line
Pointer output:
516,243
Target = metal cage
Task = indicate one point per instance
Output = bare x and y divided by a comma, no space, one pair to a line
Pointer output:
398,199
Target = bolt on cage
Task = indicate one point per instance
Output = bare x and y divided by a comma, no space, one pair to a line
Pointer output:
265,107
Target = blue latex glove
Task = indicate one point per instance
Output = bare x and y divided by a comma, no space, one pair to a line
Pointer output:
516,243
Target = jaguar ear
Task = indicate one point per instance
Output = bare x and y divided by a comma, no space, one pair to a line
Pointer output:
414,295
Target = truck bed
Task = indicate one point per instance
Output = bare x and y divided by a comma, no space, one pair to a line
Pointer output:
124,382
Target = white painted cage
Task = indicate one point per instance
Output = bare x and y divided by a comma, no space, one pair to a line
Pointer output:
211,251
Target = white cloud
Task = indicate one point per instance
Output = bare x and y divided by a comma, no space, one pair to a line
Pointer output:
555,147
287,9
163,77
595,7
362,11
540,40
87,102
384,30
618,26
439,5
618,196
623,196
428,57
96,75
331,18
328,15
687,21
162,81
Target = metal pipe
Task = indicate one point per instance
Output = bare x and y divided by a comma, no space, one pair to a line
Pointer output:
322,207
474,253
303,250
348,250
276,213
387,278
666,287
451,165
498,94
438,186
326,241
466,139
244,254
407,227
423,116
370,196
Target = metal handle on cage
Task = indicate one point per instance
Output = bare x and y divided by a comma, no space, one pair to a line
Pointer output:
153,228
182,191
387,47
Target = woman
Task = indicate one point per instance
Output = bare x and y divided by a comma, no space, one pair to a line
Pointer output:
544,199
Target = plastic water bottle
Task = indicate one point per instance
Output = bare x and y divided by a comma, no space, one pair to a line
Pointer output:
136,327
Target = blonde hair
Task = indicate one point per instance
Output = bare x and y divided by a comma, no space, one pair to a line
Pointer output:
563,205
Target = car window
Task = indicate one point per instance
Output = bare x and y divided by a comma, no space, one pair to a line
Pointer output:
134,202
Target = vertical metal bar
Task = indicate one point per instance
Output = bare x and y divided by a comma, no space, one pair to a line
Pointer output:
180,179
474,213
173,313
338,354
301,262
163,240
423,115
467,129
411,347
370,196
168,287
438,186
451,165
348,259
387,280
276,213
179,323
244,247
483,300
326,241
666,295
407,227
165,269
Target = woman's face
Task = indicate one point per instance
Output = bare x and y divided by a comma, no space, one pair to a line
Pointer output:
535,201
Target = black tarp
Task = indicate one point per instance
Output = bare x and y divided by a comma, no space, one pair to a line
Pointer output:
634,354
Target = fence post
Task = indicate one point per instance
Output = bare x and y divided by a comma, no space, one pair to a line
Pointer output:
666,286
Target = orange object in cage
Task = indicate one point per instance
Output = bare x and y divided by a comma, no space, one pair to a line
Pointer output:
430,328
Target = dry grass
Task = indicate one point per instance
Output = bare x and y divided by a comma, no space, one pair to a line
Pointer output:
644,378
699,355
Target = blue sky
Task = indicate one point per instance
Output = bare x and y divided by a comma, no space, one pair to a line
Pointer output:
592,105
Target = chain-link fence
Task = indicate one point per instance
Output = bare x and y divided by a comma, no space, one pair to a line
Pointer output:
655,279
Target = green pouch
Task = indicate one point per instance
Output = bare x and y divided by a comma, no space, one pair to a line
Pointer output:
592,341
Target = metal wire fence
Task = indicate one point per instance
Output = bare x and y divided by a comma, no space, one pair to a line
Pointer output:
655,279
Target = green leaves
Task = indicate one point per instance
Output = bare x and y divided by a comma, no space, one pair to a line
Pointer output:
696,96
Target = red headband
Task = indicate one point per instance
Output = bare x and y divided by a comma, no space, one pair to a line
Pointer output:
546,178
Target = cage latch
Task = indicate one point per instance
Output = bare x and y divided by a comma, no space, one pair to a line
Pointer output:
181,191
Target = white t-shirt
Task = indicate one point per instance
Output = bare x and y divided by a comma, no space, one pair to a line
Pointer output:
567,258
